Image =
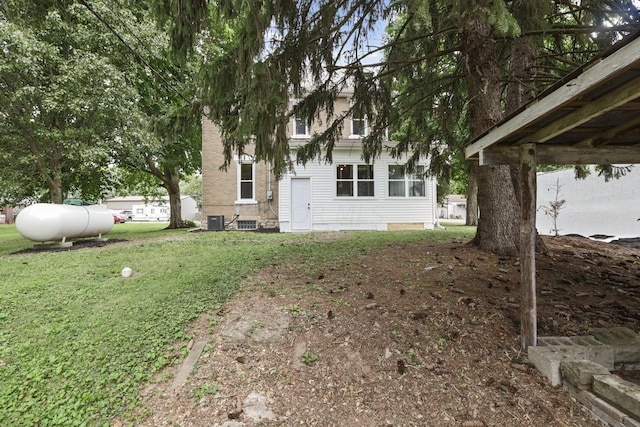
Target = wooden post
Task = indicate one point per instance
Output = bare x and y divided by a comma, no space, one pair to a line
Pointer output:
528,316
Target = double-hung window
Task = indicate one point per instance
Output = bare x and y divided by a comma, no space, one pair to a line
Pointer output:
246,181
403,184
359,126
300,128
354,180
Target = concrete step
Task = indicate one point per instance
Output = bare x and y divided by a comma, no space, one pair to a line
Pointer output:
585,347
626,343
583,365
620,393
579,373
547,360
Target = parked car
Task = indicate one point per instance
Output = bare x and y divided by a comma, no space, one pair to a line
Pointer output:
127,214
118,218
77,202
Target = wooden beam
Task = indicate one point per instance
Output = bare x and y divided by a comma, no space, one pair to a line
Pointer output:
601,71
611,100
528,314
602,138
563,154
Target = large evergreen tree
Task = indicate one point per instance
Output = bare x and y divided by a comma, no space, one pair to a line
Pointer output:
446,71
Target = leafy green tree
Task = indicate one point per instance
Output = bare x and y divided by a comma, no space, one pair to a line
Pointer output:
87,87
168,144
64,104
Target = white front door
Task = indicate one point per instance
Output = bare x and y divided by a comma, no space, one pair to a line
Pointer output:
300,204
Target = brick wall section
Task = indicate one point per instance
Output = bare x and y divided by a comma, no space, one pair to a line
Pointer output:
219,188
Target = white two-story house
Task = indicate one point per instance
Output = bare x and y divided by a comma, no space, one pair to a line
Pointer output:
348,194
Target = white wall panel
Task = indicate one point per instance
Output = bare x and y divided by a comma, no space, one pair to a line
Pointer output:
330,212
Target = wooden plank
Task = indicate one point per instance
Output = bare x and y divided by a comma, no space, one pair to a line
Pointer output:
188,365
591,78
602,138
528,315
614,99
564,154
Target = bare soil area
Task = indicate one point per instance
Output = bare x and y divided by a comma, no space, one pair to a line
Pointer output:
419,335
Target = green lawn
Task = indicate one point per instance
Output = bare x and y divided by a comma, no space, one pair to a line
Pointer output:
78,341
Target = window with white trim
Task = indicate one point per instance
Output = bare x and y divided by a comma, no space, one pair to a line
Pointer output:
300,128
354,180
246,181
359,125
403,184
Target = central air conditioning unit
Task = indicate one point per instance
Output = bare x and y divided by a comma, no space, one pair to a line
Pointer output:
215,222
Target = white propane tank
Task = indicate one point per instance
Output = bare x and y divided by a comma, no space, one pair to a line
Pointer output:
43,222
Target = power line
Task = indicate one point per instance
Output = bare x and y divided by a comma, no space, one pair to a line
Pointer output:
133,51
141,42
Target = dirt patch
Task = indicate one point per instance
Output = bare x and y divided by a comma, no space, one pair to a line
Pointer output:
417,335
70,246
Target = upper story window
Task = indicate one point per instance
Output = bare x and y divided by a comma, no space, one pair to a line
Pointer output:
354,180
359,126
300,128
246,180
406,184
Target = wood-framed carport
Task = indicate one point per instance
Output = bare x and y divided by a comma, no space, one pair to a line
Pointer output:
592,116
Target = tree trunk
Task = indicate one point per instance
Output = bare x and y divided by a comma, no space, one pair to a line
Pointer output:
472,196
499,223
172,184
520,90
522,74
56,193
170,177
51,170
521,87
54,183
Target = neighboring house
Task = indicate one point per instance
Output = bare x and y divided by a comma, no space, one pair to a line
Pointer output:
345,195
189,208
454,207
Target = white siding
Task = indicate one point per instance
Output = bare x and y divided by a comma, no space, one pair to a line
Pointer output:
329,212
189,209
189,205
592,206
150,212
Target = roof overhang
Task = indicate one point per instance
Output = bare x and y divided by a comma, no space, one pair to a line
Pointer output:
592,116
